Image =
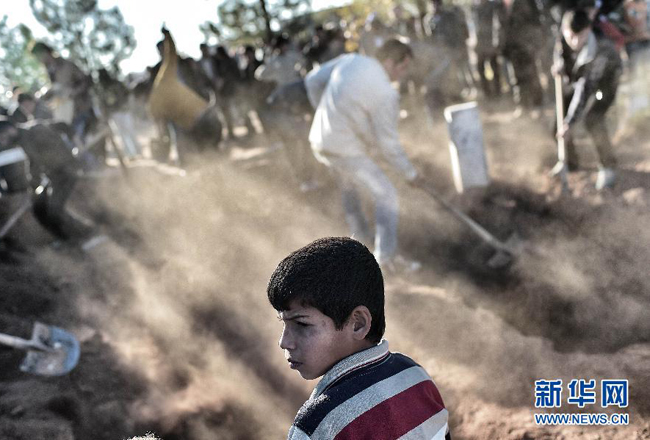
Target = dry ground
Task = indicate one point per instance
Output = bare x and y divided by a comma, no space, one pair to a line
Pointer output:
178,338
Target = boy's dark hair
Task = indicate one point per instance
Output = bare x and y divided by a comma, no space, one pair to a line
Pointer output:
578,20
26,97
333,275
395,50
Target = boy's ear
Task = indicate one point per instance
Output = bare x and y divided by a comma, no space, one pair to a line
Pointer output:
361,320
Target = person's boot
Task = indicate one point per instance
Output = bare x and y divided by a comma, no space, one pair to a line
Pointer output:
401,265
606,178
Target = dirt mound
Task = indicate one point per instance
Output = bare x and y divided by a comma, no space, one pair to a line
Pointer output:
178,339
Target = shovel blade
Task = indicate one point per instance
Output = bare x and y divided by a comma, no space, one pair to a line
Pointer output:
502,259
60,358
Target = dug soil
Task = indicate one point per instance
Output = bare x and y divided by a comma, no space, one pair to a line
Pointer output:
177,336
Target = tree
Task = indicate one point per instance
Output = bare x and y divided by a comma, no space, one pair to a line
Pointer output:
210,31
93,38
250,20
17,66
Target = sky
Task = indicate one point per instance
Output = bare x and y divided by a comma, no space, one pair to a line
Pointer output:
182,17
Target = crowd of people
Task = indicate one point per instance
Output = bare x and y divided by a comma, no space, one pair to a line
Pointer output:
331,88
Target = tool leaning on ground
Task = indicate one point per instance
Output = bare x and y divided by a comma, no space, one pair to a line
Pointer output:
50,352
506,252
560,168
11,221
469,169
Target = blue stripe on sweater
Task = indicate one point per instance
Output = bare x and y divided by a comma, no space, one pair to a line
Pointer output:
314,411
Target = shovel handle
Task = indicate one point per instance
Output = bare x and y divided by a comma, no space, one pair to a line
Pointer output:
475,227
15,217
22,344
559,119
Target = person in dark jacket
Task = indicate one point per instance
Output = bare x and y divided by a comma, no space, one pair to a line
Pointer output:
69,84
448,29
30,108
53,163
14,165
487,15
251,93
14,184
289,123
591,68
523,37
227,79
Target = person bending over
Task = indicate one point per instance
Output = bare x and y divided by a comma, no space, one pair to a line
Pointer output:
52,158
591,68
357,113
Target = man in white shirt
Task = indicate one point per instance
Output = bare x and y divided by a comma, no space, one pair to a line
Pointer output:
357,110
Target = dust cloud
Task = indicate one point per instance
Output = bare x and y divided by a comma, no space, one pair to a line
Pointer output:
183,292
190,314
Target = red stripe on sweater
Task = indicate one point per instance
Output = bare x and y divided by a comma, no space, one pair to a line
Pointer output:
396,416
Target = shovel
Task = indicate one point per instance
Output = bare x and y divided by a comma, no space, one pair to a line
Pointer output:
4,230
560,168
505,252
51,351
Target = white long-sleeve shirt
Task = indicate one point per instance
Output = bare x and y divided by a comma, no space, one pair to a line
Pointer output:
356,108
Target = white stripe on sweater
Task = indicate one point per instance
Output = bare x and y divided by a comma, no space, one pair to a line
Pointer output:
350,363
434,428
296,433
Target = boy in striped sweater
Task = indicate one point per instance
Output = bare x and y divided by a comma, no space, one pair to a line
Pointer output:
330,297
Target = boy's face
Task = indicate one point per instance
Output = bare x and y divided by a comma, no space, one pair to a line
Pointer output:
575,40
311,343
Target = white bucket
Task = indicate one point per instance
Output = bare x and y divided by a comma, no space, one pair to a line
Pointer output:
468,161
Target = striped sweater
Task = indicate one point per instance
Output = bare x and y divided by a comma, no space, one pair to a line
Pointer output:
374,395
